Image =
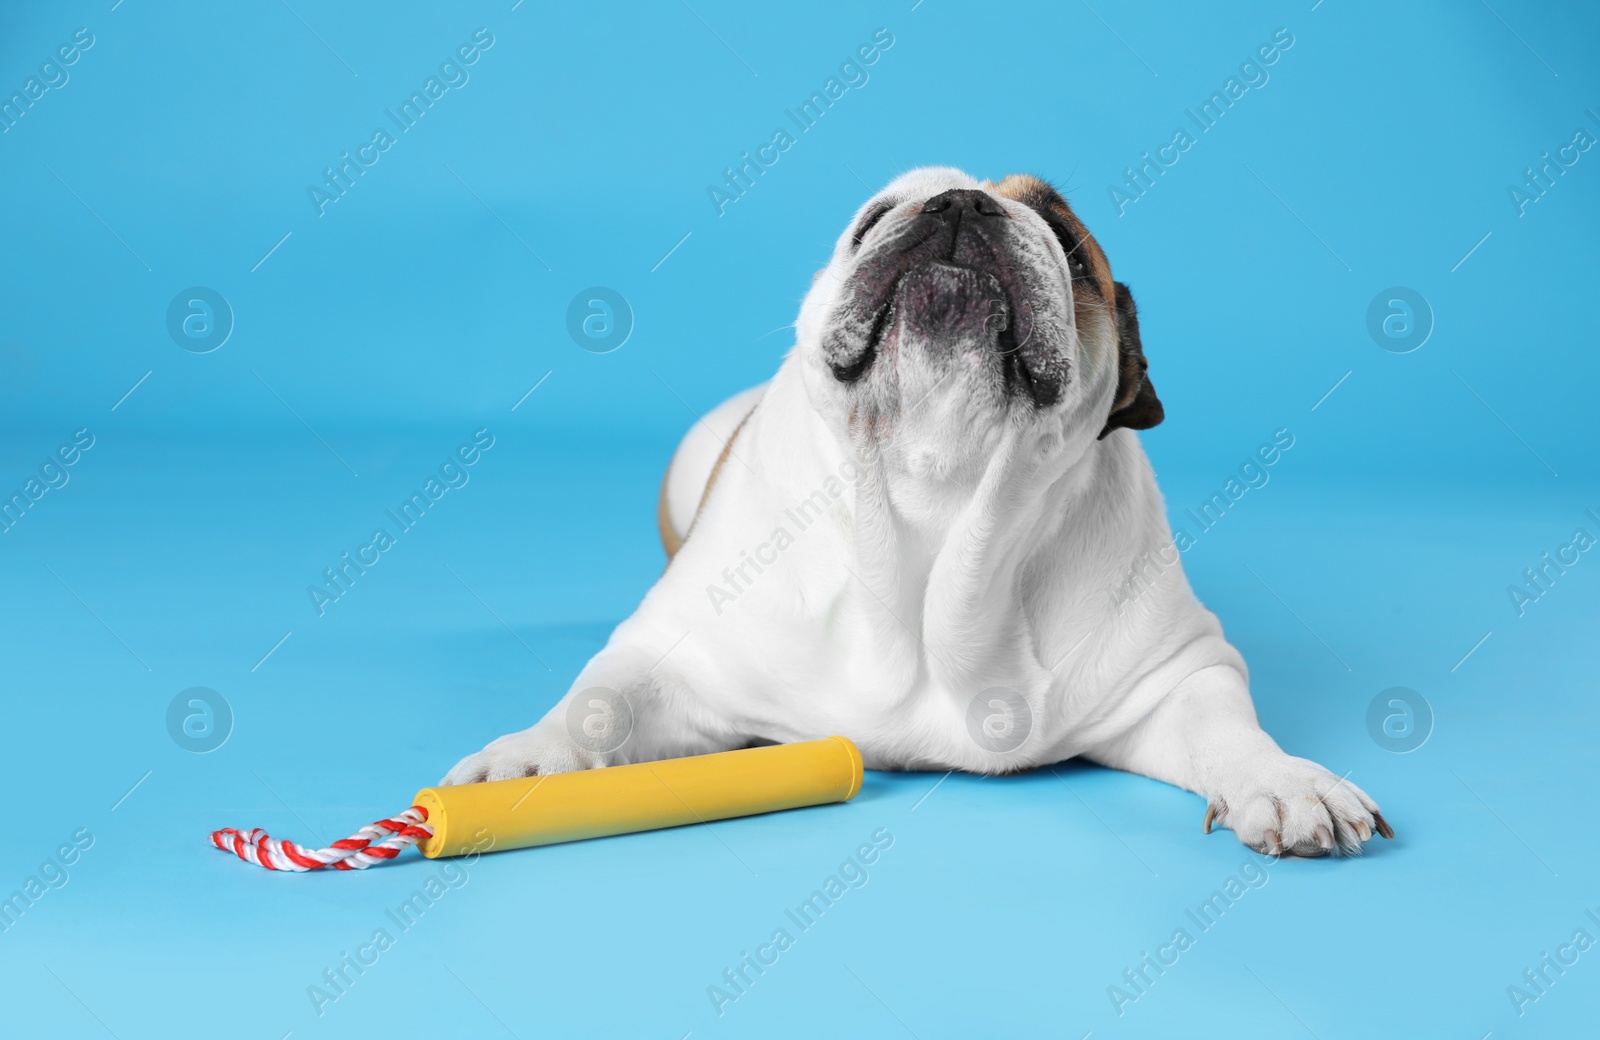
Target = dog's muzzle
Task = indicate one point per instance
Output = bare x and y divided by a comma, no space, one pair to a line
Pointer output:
947,281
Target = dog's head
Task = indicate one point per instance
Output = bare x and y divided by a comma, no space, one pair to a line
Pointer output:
954,308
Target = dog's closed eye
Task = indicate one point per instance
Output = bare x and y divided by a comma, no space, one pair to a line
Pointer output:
869,221
1072,246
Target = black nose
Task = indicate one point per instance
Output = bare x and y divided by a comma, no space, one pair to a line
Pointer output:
952,205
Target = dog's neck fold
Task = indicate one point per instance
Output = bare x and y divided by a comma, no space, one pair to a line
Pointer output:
948,572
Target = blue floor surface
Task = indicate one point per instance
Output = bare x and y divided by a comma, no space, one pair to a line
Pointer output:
1000,906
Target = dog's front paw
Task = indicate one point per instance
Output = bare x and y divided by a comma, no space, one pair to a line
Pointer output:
1295,807
527,753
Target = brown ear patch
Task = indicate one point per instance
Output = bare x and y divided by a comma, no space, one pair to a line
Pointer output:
1045,200
1135,405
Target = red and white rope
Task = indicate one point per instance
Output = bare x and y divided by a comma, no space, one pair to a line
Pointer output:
357,852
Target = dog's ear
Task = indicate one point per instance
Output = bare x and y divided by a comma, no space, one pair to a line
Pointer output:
1136,405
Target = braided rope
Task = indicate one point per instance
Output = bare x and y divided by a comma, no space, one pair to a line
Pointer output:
357,852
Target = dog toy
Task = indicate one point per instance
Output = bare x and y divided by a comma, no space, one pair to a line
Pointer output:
593,803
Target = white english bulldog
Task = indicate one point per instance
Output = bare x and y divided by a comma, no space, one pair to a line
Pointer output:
912,536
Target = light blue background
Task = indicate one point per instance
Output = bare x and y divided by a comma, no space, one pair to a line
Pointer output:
425,304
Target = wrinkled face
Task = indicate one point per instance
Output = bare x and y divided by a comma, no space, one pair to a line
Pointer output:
952,308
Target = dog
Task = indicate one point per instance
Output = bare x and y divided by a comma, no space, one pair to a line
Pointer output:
910,536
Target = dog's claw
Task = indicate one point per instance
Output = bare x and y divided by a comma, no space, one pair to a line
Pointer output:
1273,842
1211,814
1382,825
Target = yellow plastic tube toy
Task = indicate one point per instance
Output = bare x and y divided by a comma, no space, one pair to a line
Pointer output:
594,803
597,803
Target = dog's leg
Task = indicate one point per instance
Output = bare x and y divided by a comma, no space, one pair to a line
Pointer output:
629,704
1204,737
